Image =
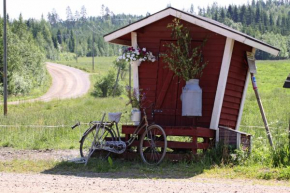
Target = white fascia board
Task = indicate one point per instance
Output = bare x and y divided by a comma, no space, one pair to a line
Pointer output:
261,47
137,25
207,25
223,32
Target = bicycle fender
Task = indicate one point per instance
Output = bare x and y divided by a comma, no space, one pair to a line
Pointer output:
85,133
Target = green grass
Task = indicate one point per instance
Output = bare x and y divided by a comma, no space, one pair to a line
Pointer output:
276,101
62,114
102,64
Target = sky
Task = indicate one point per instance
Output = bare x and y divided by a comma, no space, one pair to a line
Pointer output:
35,8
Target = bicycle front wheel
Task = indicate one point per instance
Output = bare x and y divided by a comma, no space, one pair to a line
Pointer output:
153,145
88,138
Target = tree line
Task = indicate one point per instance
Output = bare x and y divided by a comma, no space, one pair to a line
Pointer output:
33,41
267,20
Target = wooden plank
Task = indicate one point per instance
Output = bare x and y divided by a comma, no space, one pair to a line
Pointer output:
203,146
230,111
205,132
235,81
147,81
233,93
226,116
231,105
235,88
227,123
147,75
232,99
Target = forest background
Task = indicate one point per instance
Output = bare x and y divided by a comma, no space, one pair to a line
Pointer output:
31,42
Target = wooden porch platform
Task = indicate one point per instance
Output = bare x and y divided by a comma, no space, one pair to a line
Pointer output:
180,140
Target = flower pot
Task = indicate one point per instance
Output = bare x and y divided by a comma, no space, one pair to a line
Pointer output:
135,116
191,98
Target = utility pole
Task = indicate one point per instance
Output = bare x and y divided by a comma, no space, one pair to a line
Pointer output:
5,58
93,49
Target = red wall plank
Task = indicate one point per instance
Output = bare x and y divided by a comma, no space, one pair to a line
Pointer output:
235,86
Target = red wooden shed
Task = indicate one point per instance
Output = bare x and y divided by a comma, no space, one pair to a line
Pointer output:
224,81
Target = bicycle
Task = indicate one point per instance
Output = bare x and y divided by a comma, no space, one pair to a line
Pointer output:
100,138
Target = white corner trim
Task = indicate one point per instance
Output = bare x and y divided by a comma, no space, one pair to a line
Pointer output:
135,65
221,87
244,97
243,101
191,19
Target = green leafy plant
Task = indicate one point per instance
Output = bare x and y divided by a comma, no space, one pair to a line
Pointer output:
105,85
110,161
182,58
135,97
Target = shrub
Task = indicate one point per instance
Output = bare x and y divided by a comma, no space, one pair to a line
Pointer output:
104,86
281,157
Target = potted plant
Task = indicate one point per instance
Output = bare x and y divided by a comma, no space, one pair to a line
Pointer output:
186,62
135,99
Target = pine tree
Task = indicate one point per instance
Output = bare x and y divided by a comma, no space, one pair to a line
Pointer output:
59,36
235,14
230,12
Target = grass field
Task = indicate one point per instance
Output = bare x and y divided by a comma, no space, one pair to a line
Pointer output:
26,123
101,64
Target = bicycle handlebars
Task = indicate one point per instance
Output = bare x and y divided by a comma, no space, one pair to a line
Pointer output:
76,125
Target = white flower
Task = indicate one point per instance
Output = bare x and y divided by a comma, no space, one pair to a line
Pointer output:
144,49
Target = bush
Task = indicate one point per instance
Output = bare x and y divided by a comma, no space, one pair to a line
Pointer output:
281,157
104,87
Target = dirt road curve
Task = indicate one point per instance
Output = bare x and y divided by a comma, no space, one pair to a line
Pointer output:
67,82
10,182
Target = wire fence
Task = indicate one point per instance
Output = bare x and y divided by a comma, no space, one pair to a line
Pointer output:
42,136
63,137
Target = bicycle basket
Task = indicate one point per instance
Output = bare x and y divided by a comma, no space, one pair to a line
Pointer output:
114,117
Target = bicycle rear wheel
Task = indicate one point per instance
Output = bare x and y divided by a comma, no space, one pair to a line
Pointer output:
88,138
153,145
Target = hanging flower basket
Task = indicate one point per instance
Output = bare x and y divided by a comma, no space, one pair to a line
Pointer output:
131,54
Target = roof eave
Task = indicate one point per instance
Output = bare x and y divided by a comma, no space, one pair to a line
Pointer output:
113,37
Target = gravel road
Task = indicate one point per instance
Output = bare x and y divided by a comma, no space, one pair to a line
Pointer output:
67,82
117,182
12,182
